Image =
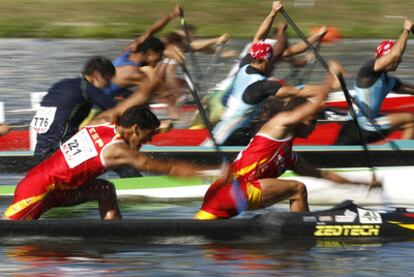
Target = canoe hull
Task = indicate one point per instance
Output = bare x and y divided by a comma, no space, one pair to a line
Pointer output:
345,221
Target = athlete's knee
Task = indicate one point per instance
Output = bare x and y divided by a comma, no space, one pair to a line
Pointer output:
300,190
105,185
106,188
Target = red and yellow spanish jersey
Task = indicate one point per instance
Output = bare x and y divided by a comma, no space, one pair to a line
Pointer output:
264,157
80,158
78,161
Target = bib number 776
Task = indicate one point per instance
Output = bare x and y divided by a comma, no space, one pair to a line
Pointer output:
43,119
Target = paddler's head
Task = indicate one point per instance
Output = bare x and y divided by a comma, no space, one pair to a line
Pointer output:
262,54
383,48
137,126
275,105
150,51
98,71
304,128
176,39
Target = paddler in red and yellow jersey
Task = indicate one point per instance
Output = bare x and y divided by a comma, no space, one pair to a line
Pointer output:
68,177
255,183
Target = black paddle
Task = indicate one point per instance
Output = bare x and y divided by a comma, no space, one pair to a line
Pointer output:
200,107
348,96
186,30
20,124
213,61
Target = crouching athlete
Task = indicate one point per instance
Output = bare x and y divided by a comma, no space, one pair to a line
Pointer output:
67,177
255,183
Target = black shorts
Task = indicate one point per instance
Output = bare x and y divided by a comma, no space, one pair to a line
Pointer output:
349,135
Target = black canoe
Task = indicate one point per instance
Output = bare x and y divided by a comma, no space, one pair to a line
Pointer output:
344,221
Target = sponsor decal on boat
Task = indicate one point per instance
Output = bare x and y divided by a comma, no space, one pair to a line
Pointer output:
347,217
309,218
325,218
369,217
347,230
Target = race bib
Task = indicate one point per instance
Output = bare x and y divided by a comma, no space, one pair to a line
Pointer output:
78,149
43,119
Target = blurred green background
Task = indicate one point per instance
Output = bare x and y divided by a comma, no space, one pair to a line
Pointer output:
240,18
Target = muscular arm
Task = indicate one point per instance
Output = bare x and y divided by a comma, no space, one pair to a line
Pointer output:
280,45
405,89
138,98
158,25
302,167
120,154
264,28
396,51
287,91
301,46
207,44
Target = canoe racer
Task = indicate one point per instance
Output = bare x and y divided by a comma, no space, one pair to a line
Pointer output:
68,177
254,183
372,86
68,102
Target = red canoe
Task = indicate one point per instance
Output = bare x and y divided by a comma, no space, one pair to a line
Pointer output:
324,134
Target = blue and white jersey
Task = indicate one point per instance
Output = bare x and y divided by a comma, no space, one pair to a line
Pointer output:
371,98
238,112
235,104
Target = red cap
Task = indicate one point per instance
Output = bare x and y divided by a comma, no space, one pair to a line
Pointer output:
384,48
261,51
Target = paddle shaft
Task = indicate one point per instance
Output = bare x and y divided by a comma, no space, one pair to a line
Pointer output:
307,73
186,30
200,107
214,59
20,124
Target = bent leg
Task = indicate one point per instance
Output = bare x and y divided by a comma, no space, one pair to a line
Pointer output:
276,190
101,190
29,197
404,121
218,202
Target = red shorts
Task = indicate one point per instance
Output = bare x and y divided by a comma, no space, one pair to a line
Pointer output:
228,200
30,198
